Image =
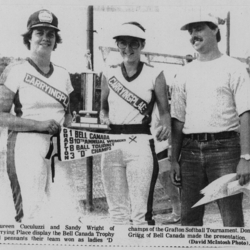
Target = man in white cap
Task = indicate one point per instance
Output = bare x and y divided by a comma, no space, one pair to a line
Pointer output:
210,124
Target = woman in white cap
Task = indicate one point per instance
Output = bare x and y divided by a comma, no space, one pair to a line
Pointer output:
129,91
39,92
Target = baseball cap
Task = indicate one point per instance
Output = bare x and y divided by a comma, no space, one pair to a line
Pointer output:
128,29
43,18
199,17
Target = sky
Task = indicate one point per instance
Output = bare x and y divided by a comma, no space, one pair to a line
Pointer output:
162,20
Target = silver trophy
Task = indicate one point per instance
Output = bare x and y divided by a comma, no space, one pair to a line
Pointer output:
88,118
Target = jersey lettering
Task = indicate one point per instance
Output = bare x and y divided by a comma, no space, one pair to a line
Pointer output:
46,88
127,95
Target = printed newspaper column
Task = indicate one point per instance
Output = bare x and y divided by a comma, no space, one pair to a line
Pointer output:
106,235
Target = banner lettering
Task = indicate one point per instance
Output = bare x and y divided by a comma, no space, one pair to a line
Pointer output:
76,144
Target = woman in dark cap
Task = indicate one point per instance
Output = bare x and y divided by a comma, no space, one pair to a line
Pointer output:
39,91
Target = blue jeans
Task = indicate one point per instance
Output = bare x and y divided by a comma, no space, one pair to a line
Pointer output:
201,163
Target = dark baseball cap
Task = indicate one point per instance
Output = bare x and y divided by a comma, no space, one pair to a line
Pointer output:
43,18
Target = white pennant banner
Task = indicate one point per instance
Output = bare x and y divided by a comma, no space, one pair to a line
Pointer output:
76,144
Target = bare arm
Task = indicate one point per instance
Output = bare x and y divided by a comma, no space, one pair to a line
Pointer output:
104,112
161,94
18,123
177,138
243,168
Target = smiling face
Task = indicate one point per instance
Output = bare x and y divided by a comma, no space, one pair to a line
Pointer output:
42,40
202,38
130,48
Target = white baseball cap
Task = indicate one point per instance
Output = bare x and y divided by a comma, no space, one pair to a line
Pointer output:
199,17
128,29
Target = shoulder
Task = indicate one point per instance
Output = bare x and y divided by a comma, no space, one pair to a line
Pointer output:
189,66
12,69
57,67
152,72
232,62
229,59
183,71
150,68
148,65
60,70
16,65
234,67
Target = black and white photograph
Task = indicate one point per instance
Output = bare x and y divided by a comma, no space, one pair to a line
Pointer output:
124,124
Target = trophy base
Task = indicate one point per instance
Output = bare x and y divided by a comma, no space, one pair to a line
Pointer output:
87,120
89,126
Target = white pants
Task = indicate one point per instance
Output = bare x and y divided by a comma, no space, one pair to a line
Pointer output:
29,172
129,176
31,181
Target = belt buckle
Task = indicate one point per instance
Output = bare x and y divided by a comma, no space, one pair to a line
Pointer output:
202,139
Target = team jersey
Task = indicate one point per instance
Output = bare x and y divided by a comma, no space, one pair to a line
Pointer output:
129,95
38,96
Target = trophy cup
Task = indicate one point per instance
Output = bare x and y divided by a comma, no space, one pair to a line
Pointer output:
88,118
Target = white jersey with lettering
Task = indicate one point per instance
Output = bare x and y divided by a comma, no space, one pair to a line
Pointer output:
40,97
128,95
129,174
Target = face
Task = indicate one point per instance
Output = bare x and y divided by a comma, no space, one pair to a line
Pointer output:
202,37
130,48
42,40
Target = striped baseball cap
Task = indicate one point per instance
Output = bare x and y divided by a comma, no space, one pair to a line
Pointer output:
43,18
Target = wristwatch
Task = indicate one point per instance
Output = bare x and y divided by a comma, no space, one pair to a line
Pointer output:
246,157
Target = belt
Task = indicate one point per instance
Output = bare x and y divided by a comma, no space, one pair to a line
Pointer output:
129,129
211,137
32,131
